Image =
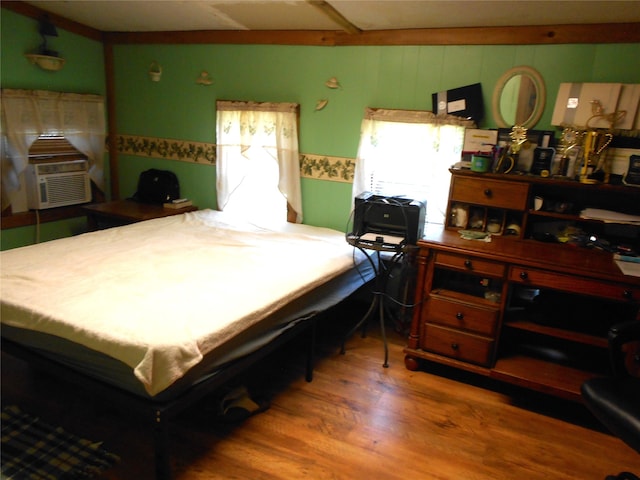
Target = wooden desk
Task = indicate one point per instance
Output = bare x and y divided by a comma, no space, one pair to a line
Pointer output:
474,313
123,212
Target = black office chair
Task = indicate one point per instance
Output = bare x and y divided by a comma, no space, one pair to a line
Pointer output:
615,400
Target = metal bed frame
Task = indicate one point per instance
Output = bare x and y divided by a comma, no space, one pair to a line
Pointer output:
159,414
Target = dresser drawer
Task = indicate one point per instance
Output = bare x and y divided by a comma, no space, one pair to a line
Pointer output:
491,193
470,264
459,345
464,316
568,283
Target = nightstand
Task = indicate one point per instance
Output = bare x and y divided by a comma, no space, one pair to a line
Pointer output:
123,212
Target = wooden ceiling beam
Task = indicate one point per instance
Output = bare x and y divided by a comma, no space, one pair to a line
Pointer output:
329,11
530,35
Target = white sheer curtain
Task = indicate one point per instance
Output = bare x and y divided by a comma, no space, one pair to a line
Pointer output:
27,114
272,128
408,152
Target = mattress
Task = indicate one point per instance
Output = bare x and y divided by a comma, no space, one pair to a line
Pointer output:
152,306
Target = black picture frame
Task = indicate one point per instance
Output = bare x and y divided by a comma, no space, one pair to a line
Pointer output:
632,177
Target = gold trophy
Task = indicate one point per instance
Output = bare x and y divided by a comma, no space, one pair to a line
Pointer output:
593,168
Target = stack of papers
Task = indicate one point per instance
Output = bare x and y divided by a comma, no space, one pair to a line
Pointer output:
609,216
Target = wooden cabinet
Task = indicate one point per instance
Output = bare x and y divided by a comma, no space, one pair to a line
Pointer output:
546,209
522,311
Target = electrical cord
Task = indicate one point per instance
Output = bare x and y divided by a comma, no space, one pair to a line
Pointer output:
37,226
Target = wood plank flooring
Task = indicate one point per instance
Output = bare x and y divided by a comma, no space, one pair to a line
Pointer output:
355,420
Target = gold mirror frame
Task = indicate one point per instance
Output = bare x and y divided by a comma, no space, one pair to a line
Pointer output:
536,79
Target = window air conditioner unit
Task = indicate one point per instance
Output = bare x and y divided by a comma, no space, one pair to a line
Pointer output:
58,184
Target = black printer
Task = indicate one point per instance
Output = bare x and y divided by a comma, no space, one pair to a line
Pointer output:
394,216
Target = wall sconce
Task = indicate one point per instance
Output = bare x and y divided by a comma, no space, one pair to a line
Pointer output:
44,57
332,83
155,71
320,104
204,78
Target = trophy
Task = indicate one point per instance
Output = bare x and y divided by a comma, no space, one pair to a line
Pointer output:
594,169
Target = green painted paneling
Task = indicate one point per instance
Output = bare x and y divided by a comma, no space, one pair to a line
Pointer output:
197,182
83,72
370,76
21,236
326,203
375,76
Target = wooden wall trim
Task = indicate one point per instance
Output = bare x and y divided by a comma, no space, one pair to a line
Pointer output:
530,35
112,124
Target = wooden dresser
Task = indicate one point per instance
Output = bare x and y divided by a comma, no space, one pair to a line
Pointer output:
523,311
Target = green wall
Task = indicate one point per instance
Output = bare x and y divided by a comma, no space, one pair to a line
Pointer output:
83,72
370,76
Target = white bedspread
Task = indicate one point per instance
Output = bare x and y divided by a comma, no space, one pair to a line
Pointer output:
160,294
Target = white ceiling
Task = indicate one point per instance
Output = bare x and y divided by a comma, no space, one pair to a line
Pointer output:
184,15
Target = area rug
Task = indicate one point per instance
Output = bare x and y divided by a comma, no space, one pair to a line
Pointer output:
35,450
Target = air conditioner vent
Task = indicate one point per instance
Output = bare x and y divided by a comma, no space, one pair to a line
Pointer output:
67,188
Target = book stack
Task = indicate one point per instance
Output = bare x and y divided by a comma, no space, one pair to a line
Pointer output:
178,203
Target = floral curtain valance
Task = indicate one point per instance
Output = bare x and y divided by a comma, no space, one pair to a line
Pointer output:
271,126
416,116
27,114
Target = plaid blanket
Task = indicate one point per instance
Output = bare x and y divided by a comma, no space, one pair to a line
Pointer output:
33,450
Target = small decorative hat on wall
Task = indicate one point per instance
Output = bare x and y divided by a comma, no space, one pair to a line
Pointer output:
155,71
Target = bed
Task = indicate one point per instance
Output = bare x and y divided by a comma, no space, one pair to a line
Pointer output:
159,313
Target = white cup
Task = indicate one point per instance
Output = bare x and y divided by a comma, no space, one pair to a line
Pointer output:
537,203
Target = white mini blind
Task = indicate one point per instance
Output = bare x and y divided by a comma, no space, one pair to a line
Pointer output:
53,148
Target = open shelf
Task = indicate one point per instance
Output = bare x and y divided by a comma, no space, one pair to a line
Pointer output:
540,375
555,332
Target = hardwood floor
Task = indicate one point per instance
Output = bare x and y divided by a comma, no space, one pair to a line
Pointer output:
355,420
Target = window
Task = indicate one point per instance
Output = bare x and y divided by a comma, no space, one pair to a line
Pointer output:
257,195
30,115
258,165
409,153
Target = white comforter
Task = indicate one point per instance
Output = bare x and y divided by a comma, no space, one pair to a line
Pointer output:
158,295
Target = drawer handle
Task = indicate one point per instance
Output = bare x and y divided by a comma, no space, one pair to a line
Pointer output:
454,346
627,294
468,263
459,315
487,192
524,275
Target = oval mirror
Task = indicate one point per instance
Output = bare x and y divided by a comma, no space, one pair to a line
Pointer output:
519,98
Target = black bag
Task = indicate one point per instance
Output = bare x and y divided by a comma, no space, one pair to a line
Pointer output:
157,186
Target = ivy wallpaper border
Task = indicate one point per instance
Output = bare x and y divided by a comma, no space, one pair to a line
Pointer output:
319,167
